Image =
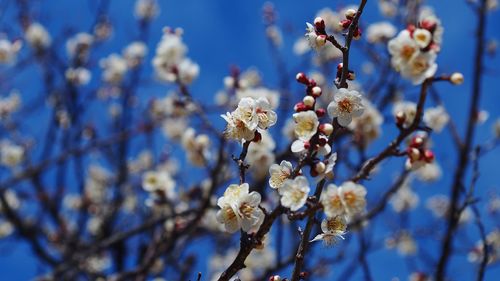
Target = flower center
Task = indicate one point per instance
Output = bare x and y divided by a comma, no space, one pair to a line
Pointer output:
345,106
350,198
407,52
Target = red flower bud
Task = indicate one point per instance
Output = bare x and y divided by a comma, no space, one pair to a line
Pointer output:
320,112
428,156
345,23
302,78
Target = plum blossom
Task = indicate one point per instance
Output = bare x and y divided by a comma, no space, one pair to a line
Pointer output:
11,154
240,209
9,50
436,118
306,124
146,9
37,36
196,147
279,174
346,104
380,32
114,68
294,193
159,183
134,53
248,116
346,199
332,229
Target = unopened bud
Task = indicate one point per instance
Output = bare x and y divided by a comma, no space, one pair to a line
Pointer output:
344,24
312,82
351,76
319,23
307,145
308,101
326,129
275,278
321,40
320,167
350,13
316,91
417,142
320,112
300,106
414,154
400,118
457,78
429,156
302,78
357,34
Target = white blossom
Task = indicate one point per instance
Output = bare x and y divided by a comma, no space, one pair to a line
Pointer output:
11,154
306,124
78,76
346,104
134,53
436,118
332,229
37,36
240,209
380,32
294,193
279,174
146,9
114,68
9,50
347,199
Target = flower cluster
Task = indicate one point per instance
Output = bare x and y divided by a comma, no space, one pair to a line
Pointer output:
414,50
418,153
240,209
170,61
250,115
348,200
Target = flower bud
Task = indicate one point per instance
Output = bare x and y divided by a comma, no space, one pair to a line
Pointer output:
350,14
316,91
319,23
321,40
308,101
275,278
400,118
322,141
312,83
320,167
357,34
417,142
320,112
300,106
351,76
326,129
344,24
302,78
457,78
414,154
428,156
307,145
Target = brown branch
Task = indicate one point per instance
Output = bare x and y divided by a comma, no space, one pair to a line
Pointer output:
392,148
463,159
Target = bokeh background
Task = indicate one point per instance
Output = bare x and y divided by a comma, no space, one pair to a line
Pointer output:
223,33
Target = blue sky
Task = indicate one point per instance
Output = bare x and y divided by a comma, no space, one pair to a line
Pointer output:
223,33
